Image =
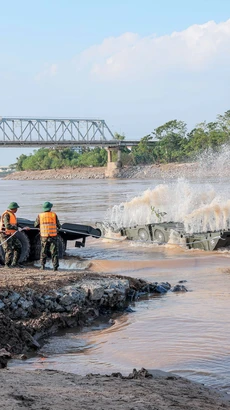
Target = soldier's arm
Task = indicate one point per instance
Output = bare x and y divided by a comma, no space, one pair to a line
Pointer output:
8,225
58,223
37,222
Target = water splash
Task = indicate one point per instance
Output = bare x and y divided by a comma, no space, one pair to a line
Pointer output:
198,206
199,209
214,164
211,217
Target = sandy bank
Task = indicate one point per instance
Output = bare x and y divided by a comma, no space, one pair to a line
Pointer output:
136,172
141,390
67,173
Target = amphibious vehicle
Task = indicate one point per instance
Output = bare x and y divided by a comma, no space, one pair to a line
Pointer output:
159,233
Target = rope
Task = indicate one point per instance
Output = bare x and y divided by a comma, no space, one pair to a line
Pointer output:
95,236
1,243
11,236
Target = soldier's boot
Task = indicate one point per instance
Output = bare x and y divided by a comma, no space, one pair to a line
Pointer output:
20,265
17,265
42,267
55,268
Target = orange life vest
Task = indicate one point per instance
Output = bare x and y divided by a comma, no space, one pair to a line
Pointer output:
48,224
13,221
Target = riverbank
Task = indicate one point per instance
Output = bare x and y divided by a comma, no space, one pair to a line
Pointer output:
36,303
168,171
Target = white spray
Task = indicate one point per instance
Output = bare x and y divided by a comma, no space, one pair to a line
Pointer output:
198,206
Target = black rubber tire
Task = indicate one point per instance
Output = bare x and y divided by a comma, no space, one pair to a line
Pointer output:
159,236
36,248
2,256
23,238
144,235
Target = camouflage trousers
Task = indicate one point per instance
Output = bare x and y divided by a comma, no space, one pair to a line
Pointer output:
12,248
49,245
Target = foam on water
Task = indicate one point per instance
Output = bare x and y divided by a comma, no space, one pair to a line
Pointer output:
67,264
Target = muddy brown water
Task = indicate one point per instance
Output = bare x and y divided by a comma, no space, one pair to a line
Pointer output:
187,333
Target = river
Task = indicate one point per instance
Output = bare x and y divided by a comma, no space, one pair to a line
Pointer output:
186,333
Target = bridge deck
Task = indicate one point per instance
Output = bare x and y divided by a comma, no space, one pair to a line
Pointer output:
62,132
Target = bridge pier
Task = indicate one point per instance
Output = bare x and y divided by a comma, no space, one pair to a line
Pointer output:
119,163
113,167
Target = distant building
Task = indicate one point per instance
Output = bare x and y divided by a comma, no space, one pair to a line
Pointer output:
5,168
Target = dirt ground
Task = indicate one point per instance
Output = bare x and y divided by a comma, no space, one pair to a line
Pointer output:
34,278
39,280
155,390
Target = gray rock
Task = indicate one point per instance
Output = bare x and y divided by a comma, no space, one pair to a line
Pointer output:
160,289
13,306
4,294
14,297
58,308
26,304
4,357
129,310
49,304
39,299
166,285
94,291
20,313
46,297
179,288
78,295
109,292
66,300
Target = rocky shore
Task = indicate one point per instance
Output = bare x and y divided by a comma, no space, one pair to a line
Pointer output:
34,304
168,171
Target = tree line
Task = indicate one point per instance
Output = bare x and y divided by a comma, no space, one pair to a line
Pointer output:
170,142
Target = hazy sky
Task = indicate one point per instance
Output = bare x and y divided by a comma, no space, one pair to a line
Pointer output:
135,64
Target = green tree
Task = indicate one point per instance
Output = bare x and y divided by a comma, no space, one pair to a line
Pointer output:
171,139
96,157
224,122
205,136
119,137
19,163
143,153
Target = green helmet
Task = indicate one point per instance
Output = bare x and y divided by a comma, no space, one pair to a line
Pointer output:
47,206
13,205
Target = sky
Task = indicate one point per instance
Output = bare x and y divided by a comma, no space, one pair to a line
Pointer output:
135,64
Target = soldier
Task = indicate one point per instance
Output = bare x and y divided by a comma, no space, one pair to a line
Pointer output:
49,225
10,243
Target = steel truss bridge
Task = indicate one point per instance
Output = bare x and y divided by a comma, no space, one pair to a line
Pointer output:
62,132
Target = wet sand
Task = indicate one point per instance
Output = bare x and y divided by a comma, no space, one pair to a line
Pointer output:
142,390
190,262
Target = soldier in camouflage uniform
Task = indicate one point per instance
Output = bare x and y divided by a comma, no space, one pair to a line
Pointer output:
10,243
49,224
